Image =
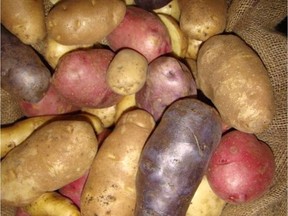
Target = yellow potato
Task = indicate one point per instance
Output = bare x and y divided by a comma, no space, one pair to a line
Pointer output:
25,19
193,48
205,202
201,19
127,102
110,187
52,204
85,22
172,9
51,157
127,72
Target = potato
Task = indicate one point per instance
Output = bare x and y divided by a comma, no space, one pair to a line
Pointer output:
193,48
23,74
52,103
53,156
171,9
126,103
52,204
179,41
80,77
205,202
25,19
142,31
242,168
127,72
234,78
168,79
175,158
106,115
110,187
201,19
85,22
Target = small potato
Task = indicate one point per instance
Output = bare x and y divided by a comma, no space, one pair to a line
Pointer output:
53,156
201,19
193,48
25,19
172,9
72,22
234,78
127,72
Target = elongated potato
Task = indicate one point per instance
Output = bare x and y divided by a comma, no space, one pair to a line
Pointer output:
86,22
52,204
201,19
110,187
25,19
235,79
53,156
127,72
175,158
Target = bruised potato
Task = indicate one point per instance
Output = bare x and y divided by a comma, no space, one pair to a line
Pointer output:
127,72
73,22
53,156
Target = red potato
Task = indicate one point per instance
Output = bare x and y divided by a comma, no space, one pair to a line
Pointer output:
51,104
168,80
142,31
242,168
80,77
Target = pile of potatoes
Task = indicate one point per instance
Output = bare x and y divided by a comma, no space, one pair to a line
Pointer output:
131,108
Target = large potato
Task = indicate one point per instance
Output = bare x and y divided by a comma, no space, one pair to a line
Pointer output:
72,22
110,187
53,156
201,19
127,72
25,19
234,78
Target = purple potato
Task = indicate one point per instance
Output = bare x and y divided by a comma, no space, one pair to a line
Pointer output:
168,79
175,158
23,74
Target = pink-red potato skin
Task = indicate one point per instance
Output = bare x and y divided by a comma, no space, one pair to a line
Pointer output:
142,31
242,168
51,104
168,80
80,77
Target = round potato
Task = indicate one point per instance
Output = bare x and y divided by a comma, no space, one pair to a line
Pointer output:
72,22
127,72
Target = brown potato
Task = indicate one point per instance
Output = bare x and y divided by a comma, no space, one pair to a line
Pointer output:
25,19
234,78
73,22
202,19
110,187
53,156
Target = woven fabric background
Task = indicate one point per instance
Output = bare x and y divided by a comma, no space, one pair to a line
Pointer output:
254,21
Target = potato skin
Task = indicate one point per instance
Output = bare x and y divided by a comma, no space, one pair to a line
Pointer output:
23,74
73,22
110,187
201,20
53,156
25,19
175,158
234,78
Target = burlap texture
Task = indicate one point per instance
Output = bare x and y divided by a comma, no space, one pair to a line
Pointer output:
254,21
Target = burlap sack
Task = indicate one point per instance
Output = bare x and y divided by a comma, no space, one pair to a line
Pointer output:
255,22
